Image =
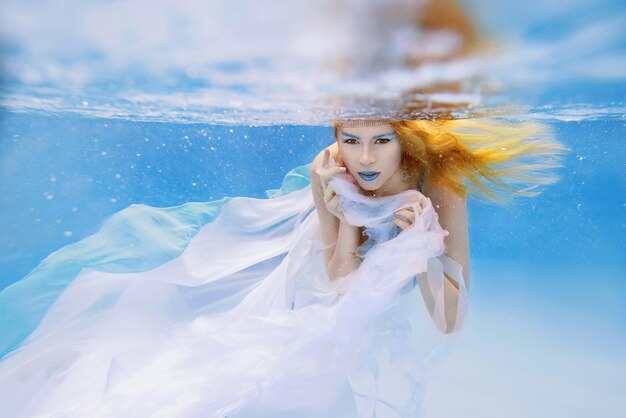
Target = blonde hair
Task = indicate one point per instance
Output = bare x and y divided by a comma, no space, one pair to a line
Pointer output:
485,156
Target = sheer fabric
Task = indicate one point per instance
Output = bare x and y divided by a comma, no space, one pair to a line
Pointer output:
244,323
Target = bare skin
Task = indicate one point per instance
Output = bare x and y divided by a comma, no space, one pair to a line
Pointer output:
342,239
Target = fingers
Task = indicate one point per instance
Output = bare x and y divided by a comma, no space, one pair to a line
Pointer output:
333,201
401,223
325,158
407,215
329,193
404,217
423,202
327,174
333,207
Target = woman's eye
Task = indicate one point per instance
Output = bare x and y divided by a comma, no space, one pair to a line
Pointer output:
349,141
382,140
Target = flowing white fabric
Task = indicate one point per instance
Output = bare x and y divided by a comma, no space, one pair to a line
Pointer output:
246,323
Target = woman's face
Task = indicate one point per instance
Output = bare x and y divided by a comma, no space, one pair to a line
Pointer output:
372,154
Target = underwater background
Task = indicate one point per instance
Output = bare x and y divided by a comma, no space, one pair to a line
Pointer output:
108,104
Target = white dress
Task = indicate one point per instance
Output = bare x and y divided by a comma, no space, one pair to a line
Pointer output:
243,323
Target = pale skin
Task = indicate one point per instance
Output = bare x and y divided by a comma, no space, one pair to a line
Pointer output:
375,153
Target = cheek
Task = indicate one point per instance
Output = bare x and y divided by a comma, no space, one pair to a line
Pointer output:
348,157
393,158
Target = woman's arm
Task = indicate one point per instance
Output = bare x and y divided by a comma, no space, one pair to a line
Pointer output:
341,238
452,211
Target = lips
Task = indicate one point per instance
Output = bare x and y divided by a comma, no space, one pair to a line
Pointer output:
369,175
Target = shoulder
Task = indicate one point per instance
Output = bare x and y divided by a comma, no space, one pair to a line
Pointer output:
440,194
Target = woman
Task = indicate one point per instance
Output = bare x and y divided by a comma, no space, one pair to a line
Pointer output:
440,157
302,305
373,151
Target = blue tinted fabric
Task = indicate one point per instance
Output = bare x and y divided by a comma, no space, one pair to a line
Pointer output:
136,239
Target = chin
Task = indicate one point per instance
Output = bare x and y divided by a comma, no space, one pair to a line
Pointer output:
369,186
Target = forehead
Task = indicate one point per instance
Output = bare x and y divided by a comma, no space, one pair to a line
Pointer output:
365,132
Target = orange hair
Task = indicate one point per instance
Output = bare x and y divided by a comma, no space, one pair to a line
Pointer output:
488,156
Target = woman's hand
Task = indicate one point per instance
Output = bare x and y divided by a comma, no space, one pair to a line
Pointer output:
404,217
341,238
331,199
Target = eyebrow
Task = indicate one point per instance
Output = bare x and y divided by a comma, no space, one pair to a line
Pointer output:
349,135
392,133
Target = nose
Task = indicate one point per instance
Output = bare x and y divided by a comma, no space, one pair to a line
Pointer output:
367,156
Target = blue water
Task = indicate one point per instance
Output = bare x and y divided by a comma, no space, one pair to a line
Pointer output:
66,175
546,335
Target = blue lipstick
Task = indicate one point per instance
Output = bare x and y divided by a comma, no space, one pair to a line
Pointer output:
369,175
